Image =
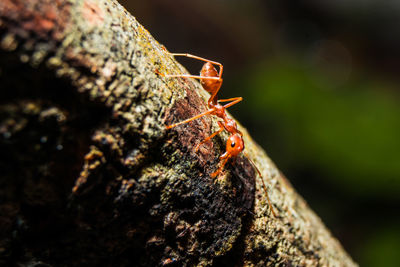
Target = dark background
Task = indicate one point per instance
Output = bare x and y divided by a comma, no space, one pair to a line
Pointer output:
320,82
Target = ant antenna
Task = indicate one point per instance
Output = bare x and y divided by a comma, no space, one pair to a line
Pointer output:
263,184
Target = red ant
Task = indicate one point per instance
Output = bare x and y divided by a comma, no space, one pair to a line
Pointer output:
211,81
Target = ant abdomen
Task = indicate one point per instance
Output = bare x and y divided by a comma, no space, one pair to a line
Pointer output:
210,85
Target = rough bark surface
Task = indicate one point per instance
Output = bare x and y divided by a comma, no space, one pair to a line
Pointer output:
90,175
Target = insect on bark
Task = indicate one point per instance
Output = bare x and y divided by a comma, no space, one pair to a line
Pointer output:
211,80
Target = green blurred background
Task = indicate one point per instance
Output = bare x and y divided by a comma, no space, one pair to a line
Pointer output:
320,82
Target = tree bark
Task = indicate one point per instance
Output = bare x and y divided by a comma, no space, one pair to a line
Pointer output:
91,176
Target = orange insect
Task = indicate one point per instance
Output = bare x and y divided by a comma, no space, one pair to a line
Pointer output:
211,80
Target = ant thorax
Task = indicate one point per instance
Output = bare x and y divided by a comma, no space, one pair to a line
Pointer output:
219,111
230,125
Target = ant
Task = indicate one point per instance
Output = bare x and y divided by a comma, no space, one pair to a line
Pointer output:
211,80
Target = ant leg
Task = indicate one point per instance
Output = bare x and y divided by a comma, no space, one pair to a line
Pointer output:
195,57
210,111
221,167
221,128
234,100
202,59
188,76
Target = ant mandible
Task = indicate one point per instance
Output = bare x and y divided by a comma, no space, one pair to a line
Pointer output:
211,80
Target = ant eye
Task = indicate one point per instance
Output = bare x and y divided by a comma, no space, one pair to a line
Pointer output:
233,144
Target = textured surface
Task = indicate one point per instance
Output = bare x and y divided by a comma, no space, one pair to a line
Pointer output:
90,175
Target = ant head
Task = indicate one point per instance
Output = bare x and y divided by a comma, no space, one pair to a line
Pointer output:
234,145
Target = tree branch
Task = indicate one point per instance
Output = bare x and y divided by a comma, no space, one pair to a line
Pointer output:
91,176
